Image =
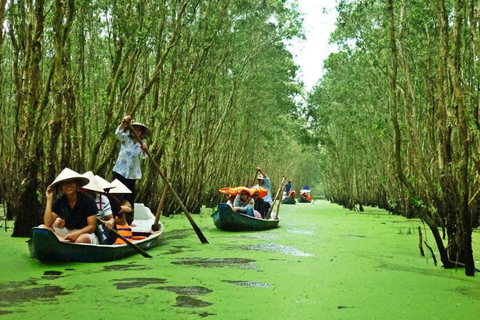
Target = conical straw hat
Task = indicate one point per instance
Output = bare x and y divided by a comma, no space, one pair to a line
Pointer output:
119,187
104,183
68,175
145,131
93,185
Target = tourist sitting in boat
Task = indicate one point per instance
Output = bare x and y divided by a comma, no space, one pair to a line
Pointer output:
119,191
305,195
78,210
105,213
261,206
264,182
243,203
230,194
122,221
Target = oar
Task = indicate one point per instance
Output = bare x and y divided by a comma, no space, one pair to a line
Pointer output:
278,209
156,225
167,183
130,244
275,199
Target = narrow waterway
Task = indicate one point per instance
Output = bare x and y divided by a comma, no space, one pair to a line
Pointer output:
323,262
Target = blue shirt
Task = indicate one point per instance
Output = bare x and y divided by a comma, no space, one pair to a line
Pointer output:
128,161
287,187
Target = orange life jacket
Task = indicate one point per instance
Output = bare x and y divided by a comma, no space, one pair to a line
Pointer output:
125,231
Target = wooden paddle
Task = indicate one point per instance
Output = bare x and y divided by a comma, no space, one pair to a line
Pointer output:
167,183
130,244
275,199
155,225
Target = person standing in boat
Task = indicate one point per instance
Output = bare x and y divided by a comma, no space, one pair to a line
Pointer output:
288,186
264,182
77,210
127,167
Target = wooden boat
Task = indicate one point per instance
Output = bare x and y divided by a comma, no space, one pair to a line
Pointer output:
289,200
228,220
303,199
46,247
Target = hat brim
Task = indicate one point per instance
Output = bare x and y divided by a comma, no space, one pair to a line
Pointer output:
145,131
80,182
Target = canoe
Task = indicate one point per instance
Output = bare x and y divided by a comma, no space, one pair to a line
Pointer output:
302,199
228,220
46,247
289,200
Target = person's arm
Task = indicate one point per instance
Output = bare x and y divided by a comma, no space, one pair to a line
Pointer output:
89,228
261,171
143,154
49,216
237,205
120,131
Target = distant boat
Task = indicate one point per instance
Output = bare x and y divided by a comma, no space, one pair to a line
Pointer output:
289,200
302,199
228,220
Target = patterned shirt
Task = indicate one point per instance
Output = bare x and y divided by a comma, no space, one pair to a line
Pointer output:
128,161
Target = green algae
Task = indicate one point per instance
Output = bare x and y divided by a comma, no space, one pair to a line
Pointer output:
323,262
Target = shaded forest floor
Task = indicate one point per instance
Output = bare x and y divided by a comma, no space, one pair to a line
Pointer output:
322,262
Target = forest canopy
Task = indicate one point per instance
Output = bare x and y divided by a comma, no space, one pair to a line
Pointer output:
212,79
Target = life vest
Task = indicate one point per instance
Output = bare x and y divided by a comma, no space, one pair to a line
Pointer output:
125,231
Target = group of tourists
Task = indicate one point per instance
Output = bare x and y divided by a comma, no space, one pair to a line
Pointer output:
304,192
88,198
254,201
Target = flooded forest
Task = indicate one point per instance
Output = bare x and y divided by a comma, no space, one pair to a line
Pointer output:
393,123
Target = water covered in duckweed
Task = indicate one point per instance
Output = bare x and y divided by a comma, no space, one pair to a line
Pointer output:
323,262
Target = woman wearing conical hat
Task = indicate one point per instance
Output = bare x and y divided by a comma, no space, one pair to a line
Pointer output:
78,210
127,167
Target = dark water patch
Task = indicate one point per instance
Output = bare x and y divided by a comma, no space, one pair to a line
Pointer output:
173,251
52,275
248,284
4,312
272,247
195,291
206,314
69,269
473,293
15,285
125,267
20,295
210,262
189,302
177,234
353,236
129,283
343,307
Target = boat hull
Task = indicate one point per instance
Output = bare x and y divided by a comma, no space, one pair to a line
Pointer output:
228,220
302,199
46,247
289,200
